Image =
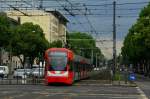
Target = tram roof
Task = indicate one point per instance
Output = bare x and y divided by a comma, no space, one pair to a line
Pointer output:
78,58
58,49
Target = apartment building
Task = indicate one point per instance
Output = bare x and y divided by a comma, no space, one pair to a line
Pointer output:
53,23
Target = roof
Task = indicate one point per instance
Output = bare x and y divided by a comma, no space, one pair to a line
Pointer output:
59,49
78,58
58,15
13,21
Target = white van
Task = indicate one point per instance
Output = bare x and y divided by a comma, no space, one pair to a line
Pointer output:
4,71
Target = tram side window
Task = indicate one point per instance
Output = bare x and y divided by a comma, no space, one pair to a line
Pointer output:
91,67
76,67
80,67
85,67
71,64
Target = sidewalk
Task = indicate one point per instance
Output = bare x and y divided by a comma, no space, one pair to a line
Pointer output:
144,84
142,77
123,83
124,79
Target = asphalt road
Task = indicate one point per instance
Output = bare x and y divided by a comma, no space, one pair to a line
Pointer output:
144,85
69,92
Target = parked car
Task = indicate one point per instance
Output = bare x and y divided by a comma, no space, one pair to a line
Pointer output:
22,73
35,66
38,72
28,71
4,71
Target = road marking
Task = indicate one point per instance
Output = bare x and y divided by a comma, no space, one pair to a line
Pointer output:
141,93
85,94
5,92
122,97
92,84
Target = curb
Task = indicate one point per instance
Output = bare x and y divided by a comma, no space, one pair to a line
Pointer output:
92,84
126,85
121,85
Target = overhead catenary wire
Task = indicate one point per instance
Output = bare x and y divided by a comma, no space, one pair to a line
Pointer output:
92,28
72,14
133,3
71,9
98,5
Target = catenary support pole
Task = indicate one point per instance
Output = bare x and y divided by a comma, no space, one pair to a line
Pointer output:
114,38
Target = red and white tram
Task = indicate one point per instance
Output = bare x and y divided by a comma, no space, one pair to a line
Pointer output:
63,66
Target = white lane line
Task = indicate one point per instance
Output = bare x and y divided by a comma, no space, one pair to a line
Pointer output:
122,97
142,94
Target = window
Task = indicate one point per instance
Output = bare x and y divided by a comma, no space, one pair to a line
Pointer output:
58,61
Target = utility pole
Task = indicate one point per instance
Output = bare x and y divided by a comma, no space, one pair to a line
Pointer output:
92,56
96,60
114,38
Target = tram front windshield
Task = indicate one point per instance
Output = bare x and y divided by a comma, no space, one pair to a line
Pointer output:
58,61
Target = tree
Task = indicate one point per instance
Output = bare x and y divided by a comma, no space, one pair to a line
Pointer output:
4,32
56,44
29,40
4,29
137,42
83,44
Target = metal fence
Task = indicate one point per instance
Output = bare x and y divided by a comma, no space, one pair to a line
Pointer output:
21,81
23,76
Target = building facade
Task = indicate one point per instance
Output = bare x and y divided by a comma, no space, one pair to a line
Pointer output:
53,23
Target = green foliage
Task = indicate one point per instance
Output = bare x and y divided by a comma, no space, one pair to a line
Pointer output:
4,30
80,43
28,40
145,11
137,42
56,44
83,44
120,77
